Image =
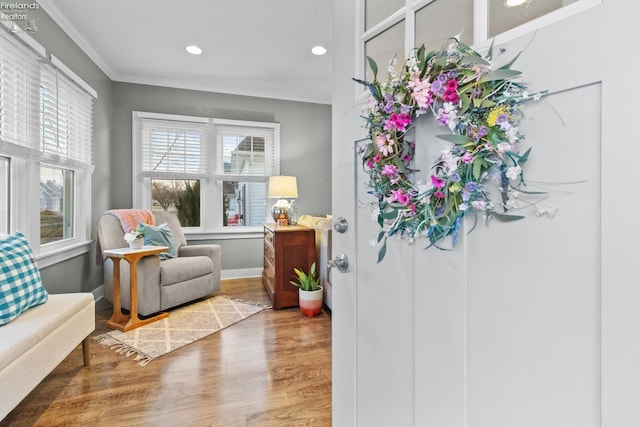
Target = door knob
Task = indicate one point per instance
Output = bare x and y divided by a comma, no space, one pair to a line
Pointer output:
340,224
341,262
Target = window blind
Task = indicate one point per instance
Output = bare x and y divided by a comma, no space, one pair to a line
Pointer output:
66,120
19,82
245,151
172,149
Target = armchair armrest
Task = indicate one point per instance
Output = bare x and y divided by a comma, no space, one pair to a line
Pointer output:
211,251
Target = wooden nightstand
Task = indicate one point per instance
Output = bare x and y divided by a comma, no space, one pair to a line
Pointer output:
286,247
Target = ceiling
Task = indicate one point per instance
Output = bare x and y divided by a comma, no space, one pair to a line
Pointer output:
251,47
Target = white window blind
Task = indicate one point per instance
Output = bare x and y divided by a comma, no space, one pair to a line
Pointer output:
66,120
244,151
172,149
19,82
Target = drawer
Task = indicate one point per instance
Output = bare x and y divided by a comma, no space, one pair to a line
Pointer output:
268,280
268,236
269,253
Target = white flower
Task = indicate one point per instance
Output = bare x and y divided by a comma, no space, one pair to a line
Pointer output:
133,235
513,172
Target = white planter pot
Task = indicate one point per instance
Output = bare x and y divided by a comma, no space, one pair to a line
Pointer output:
136,244
310,302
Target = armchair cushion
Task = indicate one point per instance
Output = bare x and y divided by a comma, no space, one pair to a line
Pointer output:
160,235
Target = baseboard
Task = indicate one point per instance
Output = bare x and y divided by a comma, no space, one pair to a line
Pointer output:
241,273
98,293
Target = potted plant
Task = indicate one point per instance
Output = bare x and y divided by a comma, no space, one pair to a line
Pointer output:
309,291
135,238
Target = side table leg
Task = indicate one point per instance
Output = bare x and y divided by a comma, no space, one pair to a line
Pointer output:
117,318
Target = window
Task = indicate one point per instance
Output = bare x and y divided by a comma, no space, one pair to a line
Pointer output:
211,173
46,141
4,195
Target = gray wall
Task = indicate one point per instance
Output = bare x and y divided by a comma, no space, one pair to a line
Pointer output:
80,273
305,146
305,149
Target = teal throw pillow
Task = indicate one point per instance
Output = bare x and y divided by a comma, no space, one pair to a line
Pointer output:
20,284
160,235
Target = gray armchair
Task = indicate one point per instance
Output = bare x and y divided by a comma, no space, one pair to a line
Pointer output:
193,274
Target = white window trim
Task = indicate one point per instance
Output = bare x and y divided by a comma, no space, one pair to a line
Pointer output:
24,208
481,41
211,227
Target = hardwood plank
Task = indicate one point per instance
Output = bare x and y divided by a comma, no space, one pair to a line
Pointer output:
273,369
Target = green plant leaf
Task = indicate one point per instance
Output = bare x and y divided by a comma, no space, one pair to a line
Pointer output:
373,66
499,74
456,139
383,251
381,235
506,218
392,214
473,59
477,170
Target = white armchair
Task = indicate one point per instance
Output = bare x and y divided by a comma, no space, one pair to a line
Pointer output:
193,274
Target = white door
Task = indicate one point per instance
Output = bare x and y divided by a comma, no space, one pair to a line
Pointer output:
523,324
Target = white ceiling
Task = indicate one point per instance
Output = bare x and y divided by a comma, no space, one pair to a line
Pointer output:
251,47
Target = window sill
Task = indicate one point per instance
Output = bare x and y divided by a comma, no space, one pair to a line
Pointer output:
63,254
248,233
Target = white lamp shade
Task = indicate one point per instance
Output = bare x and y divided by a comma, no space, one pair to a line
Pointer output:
281,187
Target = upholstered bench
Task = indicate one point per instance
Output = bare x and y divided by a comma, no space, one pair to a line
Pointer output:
33,344
37,330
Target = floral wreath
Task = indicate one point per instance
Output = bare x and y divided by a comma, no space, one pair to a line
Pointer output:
482,108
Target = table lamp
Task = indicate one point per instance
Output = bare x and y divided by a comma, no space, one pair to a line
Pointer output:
282,188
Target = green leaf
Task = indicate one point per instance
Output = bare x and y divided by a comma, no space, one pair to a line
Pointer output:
381,235
456,139
466,101
510,63
477,169
487,103
506,218
373,66
473,59
490,51
383,251
525,156
392,214
499,74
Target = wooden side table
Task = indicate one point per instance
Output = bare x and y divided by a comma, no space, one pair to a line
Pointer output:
285,248
131,321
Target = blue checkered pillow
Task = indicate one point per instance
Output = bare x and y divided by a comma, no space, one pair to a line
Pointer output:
20,284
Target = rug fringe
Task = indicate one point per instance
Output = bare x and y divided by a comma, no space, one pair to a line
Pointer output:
257,303
123,349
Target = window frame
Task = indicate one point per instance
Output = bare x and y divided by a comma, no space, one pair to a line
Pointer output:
211,185
480,29
26,157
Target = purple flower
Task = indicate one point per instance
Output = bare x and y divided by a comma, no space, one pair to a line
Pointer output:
455,177
389,170
471,186
483,131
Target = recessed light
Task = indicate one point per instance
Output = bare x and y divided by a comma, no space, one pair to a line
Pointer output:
514,3
193,49
318,50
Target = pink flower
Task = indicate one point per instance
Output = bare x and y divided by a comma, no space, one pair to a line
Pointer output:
399,196
439,194
389,170
397,121
369,164
377,158
385,144
466,158
437,182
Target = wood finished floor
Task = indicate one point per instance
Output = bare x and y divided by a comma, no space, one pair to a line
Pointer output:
273,369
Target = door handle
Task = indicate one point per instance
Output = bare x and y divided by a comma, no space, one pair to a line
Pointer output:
341,262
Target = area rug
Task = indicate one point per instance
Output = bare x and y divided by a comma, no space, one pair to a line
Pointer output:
183,326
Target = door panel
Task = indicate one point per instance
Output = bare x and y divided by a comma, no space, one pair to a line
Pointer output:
503,330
